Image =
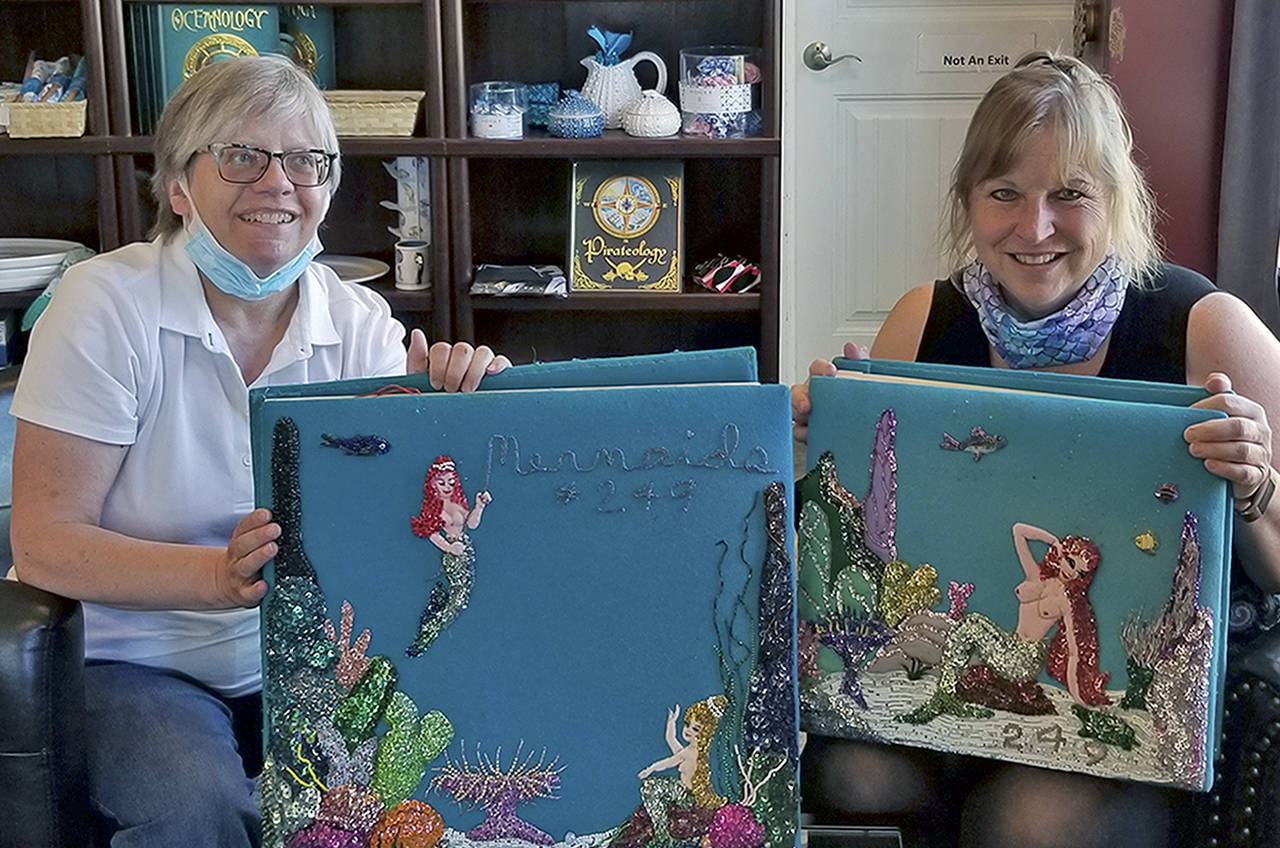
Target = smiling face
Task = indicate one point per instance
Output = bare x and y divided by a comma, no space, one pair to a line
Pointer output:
1079,557
264,224
444,484
1039,235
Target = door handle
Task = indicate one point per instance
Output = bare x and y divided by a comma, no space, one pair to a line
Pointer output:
817,57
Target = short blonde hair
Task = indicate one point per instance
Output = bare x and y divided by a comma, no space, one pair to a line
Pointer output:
219,101
1082,112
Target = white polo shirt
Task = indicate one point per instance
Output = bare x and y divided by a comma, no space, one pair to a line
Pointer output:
128,353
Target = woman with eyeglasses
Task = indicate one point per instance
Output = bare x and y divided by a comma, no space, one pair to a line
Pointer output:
1051,228
133,489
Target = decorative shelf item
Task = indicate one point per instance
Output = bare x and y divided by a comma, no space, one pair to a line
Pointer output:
611,80
575,117
720,91
543,97
499,109
46,120
358,112
651,116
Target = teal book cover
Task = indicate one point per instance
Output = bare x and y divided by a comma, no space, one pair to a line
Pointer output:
1028,567
549,616
188,37
306,36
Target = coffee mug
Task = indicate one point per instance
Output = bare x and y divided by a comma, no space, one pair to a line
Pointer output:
413,265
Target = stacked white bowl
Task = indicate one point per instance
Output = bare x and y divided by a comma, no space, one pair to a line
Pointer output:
30,263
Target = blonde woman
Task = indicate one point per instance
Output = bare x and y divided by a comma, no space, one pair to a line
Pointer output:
1051,231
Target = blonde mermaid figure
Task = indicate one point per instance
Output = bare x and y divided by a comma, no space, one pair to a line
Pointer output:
690,787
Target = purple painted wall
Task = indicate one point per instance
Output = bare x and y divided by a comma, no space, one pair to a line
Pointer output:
1172,76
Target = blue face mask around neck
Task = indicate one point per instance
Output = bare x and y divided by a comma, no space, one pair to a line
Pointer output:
230,273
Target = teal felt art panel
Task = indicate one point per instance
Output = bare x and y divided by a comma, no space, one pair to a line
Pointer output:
611,594
1031,575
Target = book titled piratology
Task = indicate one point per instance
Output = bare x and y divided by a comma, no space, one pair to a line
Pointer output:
626,229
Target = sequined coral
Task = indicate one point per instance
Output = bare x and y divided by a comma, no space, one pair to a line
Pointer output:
905,591
769,723
409,824
407,747
499,790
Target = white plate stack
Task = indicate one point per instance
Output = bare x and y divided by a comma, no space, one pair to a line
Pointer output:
30,263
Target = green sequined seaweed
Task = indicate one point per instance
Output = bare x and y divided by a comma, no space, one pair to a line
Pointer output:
1105,727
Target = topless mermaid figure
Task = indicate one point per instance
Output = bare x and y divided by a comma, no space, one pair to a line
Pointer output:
443,520
1054,593
692,788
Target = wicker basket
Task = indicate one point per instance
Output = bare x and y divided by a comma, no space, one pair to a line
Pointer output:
374,112
46,120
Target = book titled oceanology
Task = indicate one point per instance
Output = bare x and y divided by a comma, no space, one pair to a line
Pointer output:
306,36
626,227
170,42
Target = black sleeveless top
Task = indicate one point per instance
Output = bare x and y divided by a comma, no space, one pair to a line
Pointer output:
1148,341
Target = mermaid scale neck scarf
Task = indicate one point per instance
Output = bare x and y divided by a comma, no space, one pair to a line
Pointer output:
1072,334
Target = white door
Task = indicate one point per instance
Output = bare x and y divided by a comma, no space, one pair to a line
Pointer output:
868,147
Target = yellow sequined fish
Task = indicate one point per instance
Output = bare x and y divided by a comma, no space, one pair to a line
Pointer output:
1146,542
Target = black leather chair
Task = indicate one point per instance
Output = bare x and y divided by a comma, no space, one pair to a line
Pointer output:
43,799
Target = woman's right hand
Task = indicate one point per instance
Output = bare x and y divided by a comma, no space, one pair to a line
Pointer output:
457,548
238,578
800,404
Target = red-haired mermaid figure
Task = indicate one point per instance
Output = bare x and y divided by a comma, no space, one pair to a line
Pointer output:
1073,652
1054,593
444,519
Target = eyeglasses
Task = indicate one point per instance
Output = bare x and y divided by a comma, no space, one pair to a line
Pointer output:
240,163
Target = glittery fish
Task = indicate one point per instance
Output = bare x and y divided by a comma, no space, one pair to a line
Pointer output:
1167,492
1146,542
979,442
356,445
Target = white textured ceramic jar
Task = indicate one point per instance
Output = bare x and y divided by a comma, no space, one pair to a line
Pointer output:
651,116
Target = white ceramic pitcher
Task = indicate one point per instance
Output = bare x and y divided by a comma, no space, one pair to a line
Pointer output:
613,87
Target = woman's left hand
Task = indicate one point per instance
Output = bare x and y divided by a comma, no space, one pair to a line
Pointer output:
1236,448
452,367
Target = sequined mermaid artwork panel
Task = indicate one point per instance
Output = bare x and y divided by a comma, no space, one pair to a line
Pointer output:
545,617
1032,572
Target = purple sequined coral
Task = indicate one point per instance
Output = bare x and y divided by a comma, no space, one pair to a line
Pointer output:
486,784
322,835
770,723
853,640
352,808
880,508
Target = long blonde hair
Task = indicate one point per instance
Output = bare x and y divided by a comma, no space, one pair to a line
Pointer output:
707,714
1081,112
